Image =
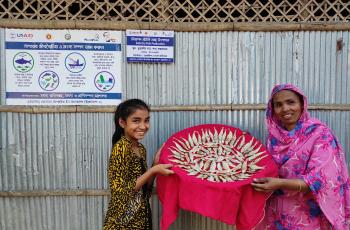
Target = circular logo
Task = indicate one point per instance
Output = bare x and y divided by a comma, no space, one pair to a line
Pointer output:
48,36
67,36
104,81
23,62
75,62
48,80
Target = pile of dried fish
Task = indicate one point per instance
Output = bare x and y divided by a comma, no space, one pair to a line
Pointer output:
218,156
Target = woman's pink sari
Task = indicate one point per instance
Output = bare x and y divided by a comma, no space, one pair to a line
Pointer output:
310,152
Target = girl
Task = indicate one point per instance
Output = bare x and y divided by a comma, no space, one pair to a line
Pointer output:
313,189
129,180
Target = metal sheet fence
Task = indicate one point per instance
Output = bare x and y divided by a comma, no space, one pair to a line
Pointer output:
78,160
69,151
239,68
242,67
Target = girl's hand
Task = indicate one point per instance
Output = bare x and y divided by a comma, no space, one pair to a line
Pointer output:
156,157
267,184
163,169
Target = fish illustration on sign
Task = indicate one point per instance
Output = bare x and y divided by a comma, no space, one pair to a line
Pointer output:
50,79
23,61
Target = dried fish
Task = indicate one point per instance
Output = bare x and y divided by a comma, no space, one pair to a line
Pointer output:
212,166
225,165
228,138
247,146
242,142
187,143
219,167
217,156
222,136
195,141
244,166
216,136
190,140
179,147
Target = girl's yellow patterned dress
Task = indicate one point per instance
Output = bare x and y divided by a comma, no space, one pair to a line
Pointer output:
127,208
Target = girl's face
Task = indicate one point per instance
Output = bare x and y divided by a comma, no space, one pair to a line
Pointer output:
136,125
287,107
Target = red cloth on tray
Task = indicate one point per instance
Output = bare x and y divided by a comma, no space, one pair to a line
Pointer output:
214,165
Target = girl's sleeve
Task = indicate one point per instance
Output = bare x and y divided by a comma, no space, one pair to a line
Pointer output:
118,171
148,187
122,188
327,177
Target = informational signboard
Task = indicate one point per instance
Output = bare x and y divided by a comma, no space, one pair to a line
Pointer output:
150,46
63,67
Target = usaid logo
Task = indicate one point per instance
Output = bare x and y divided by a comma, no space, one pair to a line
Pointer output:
21,35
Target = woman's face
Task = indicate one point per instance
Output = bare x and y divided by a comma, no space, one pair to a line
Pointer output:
287,107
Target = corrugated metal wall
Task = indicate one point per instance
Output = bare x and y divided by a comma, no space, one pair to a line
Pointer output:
66,151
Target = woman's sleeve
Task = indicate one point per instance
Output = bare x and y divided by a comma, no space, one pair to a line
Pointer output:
327,177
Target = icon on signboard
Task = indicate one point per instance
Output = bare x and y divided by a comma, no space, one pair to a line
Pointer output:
48,80
104,81
23,62
75,62
108,37
67,36
92,38
12,35
48,36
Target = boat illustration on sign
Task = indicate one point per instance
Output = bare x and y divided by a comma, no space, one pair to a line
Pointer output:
75,63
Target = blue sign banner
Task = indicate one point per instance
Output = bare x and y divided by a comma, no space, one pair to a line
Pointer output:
149,41
34,95
62,46
150,46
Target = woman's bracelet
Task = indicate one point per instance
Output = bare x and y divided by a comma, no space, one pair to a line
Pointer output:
299,186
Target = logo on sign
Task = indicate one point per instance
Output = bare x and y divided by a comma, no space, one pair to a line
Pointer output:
23,62
67,36
21,35
104,81
94,38
48,80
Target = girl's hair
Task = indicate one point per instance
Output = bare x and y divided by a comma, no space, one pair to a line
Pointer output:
123,111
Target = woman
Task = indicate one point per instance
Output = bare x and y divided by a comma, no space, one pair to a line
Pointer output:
312,191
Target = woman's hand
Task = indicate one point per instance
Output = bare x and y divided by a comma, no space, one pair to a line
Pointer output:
163,169
267,184
156,157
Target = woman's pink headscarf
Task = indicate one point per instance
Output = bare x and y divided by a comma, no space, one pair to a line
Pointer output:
313,144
